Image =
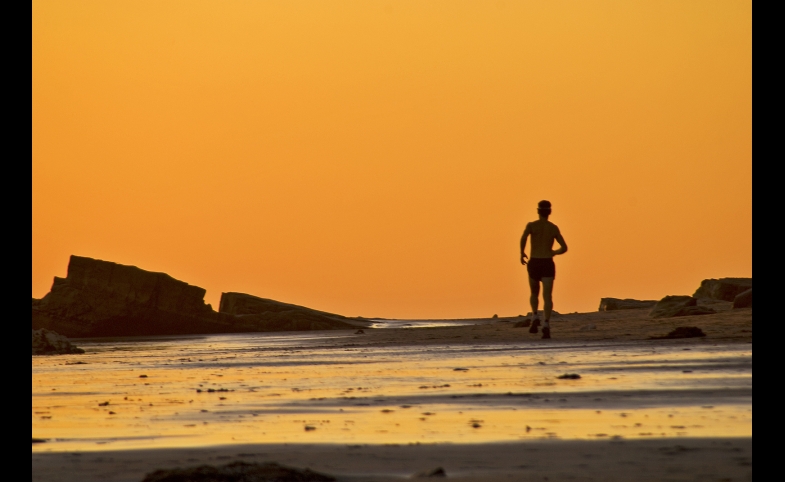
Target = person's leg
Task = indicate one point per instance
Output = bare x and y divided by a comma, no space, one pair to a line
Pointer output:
534,285
547,301
547,297
534,300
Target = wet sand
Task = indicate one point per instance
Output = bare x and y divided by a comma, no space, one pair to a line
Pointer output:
682,459
482,400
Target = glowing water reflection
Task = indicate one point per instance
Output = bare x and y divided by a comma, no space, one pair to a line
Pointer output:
312,387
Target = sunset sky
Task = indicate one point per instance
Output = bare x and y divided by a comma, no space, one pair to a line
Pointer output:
382,158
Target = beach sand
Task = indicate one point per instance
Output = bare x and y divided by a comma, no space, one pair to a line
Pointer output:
480,398
716,459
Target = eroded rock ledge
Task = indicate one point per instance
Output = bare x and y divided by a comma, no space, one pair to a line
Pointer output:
100,298
47,342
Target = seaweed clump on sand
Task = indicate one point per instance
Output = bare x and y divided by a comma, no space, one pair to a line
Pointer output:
238,472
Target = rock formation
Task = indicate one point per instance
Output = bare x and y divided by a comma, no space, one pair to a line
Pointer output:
46,342
100,298
671,306
743,299
724,289
280,316
611,304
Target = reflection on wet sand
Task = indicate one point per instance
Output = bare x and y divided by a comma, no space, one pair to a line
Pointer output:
318,388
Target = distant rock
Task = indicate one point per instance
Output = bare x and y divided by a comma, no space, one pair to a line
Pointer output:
47,342
101,298
695,310
743,299
612,304
672,306
283,316
724,289
681,332
238,472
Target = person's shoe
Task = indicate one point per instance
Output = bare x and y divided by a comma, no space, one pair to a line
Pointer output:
534,326
546,333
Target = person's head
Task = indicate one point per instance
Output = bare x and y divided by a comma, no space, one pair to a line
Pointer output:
544,208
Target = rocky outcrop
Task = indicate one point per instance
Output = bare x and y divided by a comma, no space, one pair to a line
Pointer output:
46,342
101,298
724,289
612,304
743,299
672,306
281,316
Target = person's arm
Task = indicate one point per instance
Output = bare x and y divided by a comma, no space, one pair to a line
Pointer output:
526,233
562,244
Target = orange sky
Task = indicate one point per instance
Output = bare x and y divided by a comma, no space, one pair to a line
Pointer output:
381,158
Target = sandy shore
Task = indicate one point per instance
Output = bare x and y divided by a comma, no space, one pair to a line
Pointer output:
392,402
727,325
726,459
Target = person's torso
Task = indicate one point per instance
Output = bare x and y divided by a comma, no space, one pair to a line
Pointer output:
543,234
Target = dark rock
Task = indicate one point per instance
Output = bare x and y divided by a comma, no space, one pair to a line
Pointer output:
47,342
238,472
681,332
100,298
495,316
671,306
283,316
437,472
522,324
724,289
38,440
743,299
612,304
569,376
695,310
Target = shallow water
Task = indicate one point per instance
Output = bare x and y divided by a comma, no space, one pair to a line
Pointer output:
313,387
384,323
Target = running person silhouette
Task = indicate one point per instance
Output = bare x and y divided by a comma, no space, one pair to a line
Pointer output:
541,267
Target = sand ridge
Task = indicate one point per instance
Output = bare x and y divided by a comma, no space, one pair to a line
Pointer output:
728,325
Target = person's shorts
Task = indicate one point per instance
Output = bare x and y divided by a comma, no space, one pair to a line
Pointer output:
540,268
